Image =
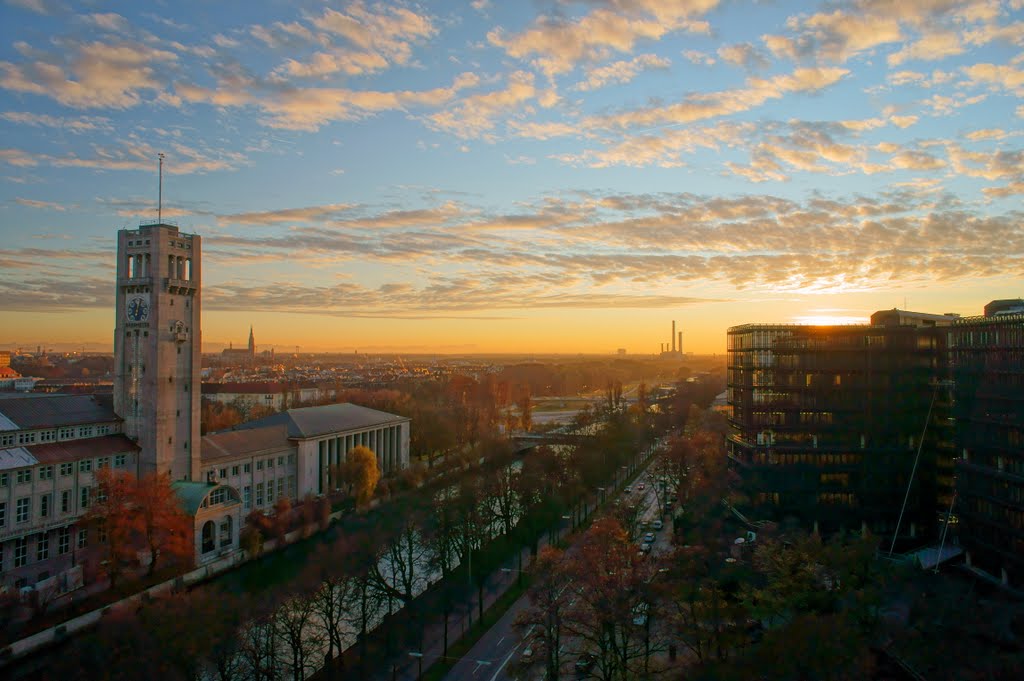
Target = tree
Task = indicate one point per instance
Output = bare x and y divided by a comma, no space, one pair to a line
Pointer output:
165,526
360,473
336,591
295,627
113,519
610,587
549,596
525,404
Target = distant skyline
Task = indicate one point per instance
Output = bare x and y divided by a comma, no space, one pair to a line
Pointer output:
522,177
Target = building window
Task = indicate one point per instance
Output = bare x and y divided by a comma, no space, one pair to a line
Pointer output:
3,515
103,462
20,551
84,501
3,479
223,473
270,491
46,472
225,532
247,497
85,431
6,440
63,540
280,461
102,430
22,509
234,471
270,462
47,436
259,464
208,536
24,476
259,493
119,460
44,505
291,459
66,433
85,465
292,488
42,547
247,468
65,501
67,469
26,438
218,496
101,531
83,538
280,488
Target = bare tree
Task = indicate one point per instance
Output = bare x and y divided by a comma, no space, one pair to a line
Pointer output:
294,621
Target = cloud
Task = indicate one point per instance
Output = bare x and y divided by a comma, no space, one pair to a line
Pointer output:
930,47
555,45
82,124
91,75
622,71
743,55
45,205
273,217
133,154
698,57
375,39
701,106
1002,77
474,116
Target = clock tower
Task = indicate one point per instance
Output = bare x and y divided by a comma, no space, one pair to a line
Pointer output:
157,346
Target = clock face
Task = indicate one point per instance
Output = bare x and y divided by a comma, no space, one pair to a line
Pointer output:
137,309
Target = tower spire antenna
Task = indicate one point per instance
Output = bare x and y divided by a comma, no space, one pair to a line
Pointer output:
160,192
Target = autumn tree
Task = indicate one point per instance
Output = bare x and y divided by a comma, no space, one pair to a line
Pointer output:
295,623
114,520
549,597
360,473
165,527
610,588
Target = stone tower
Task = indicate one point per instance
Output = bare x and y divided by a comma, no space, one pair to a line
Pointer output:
157,345
252,346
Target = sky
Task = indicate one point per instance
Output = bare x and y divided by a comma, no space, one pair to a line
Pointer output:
546,176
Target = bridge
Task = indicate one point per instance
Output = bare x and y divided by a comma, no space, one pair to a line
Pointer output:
524,440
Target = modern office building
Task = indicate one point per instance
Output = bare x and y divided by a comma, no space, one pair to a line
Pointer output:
988,370
827,422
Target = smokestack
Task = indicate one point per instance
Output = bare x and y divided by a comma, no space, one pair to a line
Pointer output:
673,335
680,342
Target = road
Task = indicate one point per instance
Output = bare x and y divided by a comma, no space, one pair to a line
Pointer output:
496,655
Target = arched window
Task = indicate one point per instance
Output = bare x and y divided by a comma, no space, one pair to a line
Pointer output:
188,269
131,266
209,537
225,532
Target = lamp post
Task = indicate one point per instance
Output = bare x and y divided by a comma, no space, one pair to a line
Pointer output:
419,660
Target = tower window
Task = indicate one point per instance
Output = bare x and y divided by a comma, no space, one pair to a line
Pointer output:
172,302
170,379
179,351
169,440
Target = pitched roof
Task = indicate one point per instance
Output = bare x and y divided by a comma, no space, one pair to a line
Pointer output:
49,411
307,422
85,448
233,444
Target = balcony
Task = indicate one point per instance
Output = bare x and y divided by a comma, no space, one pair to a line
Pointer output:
180,286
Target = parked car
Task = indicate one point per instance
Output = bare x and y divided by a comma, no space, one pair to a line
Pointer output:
645,547
584,663
658,524
628,490
641,487
649,538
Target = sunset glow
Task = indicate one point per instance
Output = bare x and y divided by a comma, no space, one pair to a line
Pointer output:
513,176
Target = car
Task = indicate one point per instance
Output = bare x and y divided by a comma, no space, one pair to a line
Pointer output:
649,538
628,490
646,547
584,663
641,487
658,524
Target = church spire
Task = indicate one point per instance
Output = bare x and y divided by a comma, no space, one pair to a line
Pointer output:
252,342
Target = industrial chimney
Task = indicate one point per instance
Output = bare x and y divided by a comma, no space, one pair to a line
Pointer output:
680,342
673,336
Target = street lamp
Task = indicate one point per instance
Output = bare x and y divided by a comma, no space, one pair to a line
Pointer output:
419,659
